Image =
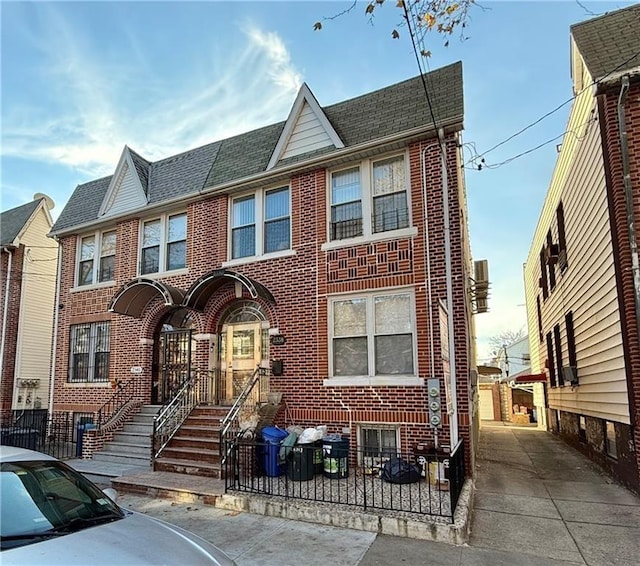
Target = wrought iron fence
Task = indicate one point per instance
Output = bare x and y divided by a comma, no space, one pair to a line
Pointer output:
57,434
418,484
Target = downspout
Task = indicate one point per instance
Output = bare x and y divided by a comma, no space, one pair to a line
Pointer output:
453,425
54,342
5,314
628,196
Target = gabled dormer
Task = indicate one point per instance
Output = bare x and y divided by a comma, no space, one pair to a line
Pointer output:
128,189
307,129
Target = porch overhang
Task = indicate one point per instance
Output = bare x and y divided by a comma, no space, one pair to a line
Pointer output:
531,378
133,297
202,289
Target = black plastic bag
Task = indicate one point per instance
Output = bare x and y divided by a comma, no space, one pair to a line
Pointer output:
398,470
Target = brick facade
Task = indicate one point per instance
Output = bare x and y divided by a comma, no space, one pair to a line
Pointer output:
627,469
301,285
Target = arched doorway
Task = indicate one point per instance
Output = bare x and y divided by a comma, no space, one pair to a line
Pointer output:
173,355
244,346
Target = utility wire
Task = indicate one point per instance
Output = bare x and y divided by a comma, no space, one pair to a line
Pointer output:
594,83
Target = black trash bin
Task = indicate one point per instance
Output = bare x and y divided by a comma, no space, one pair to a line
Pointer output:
301,467
80,435
20,437
335,451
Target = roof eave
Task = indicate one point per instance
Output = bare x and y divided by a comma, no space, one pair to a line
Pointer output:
454,124
613,79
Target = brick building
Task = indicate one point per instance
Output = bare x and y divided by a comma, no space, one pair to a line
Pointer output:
582,275
319,248
27,283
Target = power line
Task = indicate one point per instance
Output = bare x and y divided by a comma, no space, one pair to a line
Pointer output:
534,123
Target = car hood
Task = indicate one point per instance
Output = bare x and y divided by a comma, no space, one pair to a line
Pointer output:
134,540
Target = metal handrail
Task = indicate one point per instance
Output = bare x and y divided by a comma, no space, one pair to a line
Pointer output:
122,399
232,416
167,422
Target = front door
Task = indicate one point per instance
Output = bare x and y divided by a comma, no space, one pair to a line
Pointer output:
242,355
174,363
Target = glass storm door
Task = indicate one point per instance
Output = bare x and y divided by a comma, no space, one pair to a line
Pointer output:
243,353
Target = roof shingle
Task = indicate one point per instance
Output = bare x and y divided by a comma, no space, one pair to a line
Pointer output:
13,220
376,115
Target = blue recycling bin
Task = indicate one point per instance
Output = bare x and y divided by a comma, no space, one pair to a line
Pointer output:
273,437
79,435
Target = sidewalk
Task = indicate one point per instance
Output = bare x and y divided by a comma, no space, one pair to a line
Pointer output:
539,497
538,502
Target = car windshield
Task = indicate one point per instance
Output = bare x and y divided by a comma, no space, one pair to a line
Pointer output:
44,499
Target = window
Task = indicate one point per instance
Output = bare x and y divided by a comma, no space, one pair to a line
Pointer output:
582,428
164,244
551,266
261,223
558,345
562,239
539,313
96,263
571,343
377,445
543,275
373,335
550,363
89,352
369,199
610,444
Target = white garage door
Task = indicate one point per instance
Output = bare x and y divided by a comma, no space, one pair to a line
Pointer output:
486,405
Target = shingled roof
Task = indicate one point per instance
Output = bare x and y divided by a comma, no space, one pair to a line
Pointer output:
12,221
377,115
610,44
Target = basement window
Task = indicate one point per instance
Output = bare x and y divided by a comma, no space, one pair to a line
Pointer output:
610,445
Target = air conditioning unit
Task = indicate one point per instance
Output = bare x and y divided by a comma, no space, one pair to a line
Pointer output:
570,374
551,253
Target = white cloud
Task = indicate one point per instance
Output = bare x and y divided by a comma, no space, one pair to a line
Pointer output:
93,106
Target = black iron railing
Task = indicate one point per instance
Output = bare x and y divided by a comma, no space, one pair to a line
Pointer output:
57,433
336,474
124,398
251,396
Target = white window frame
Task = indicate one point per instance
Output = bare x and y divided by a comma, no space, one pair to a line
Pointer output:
96,259
164,241
366,167
259,224
92,348
373,464
372,379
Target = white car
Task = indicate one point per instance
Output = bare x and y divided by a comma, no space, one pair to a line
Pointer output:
50,514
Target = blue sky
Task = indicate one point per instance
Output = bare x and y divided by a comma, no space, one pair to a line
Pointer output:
82,79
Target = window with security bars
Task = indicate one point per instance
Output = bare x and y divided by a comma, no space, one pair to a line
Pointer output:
377,445
89,352
96,258
370,198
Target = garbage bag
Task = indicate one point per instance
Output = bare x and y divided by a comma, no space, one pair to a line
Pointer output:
398,470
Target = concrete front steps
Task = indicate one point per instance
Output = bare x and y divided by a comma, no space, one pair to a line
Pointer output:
132,446
195,449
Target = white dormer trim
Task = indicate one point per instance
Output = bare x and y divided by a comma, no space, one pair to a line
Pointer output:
135,196
305,96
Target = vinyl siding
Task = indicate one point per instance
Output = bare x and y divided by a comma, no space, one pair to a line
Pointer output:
307,135
588,286
128,195
35,326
